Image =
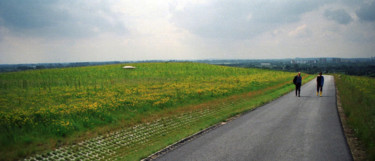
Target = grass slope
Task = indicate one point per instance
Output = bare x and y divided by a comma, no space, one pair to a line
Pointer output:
43,109
358,98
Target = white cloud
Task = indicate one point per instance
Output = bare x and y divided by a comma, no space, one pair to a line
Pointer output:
300,31
182,29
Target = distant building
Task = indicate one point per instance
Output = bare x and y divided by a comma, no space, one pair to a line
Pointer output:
265,64
345,60
311,61
323,60
299,61
336,60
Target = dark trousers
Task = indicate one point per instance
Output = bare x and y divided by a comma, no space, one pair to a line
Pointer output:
298,89
319,88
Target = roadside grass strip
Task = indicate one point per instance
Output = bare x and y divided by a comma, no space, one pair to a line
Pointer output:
357,95
123,142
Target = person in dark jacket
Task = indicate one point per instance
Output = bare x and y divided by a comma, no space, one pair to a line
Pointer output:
298,81
319,84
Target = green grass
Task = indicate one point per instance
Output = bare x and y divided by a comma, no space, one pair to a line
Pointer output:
42,109
358,99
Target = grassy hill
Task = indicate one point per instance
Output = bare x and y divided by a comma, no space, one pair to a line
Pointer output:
41,109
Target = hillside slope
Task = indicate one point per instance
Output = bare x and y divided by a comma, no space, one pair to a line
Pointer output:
45,107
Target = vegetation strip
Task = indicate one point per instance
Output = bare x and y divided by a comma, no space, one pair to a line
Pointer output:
185,140
357,97
355,147
107,146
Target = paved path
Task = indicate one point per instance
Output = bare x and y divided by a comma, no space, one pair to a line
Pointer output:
289,128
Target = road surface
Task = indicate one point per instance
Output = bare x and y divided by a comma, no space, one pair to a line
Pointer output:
289,128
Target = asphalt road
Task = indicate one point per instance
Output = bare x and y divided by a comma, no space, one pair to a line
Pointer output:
289,128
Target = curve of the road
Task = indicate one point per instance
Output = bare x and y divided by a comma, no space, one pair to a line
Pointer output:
289,128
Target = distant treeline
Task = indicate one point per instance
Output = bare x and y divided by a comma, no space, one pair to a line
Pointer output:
350,66
359,69
21,67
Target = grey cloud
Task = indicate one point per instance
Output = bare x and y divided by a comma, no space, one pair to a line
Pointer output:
241,19
367,12
340,16
58,18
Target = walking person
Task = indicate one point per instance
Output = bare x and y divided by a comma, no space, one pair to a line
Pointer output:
298,82
319,84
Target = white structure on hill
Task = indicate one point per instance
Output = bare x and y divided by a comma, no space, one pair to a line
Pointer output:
128,67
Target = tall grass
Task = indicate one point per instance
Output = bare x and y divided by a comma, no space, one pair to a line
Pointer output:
358,100
42,104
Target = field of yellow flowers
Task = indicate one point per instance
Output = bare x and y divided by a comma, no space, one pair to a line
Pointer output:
58,102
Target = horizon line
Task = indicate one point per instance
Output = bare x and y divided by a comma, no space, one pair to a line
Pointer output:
166,60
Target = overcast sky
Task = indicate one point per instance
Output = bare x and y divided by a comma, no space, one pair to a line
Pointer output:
40,31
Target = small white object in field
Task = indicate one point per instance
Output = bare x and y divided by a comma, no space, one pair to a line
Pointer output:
128,67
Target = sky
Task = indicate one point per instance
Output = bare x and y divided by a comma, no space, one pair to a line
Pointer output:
46,31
